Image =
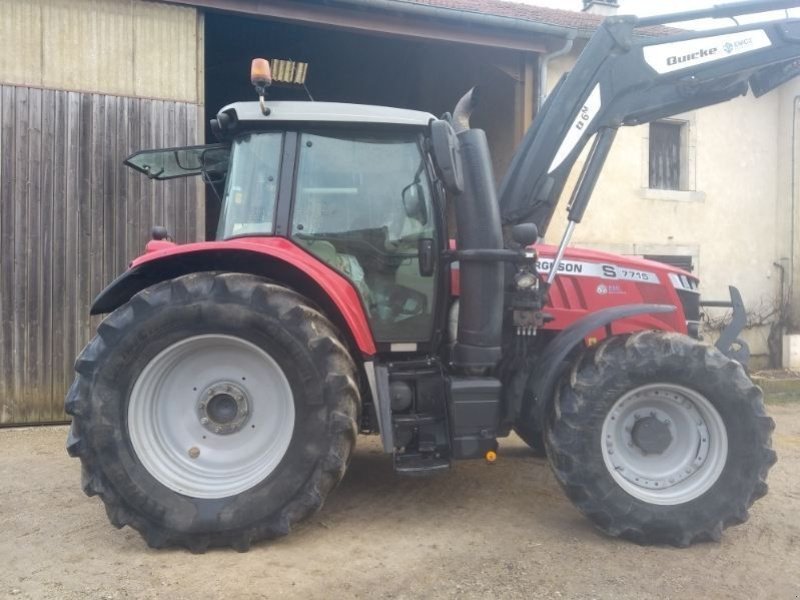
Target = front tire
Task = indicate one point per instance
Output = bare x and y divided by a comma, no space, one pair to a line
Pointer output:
660,439
532,436
213,410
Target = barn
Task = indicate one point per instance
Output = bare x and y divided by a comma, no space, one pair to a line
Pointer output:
84,83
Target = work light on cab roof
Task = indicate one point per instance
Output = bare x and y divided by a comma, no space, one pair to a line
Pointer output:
261,78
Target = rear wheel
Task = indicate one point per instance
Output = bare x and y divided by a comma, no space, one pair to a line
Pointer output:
213,410
658,438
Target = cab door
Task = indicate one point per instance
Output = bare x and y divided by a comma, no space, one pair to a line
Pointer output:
362,203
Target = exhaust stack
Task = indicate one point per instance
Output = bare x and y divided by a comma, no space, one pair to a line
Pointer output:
480,318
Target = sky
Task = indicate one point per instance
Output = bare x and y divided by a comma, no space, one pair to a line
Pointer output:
655,7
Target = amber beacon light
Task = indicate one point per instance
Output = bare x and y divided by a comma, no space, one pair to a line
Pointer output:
261,78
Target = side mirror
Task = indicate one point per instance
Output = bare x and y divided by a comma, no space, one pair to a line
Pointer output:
447,156
414,202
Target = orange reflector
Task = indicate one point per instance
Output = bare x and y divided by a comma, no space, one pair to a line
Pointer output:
260,73
491,456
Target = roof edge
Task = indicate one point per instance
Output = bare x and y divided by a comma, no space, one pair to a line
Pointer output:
469,17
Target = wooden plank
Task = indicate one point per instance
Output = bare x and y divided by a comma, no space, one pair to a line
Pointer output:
134,181
96,235
46,263
174,201
195,201
108,199
7,206
35,407
85,221
61,373
46,257
121,198
159,139
72,208
20,235
146,190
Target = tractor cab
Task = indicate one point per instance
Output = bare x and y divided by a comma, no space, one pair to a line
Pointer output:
351,185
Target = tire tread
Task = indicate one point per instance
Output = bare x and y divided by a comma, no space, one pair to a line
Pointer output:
329,353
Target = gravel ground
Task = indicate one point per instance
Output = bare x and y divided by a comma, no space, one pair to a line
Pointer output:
479,531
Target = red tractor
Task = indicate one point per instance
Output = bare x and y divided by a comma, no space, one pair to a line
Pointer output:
221,399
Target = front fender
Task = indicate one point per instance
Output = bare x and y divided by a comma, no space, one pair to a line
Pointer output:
277,259
550,369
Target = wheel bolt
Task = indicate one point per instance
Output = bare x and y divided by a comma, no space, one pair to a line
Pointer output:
194,452
204,421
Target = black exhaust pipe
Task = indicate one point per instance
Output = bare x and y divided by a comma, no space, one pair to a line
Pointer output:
480,318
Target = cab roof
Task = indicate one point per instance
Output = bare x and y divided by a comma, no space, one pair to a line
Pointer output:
333,112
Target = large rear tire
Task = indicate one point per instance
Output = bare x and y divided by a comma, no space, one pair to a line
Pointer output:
213,410
660,439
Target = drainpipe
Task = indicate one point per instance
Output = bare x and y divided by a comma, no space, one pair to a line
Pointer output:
793,211
544,61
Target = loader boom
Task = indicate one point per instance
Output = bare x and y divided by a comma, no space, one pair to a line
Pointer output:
624,79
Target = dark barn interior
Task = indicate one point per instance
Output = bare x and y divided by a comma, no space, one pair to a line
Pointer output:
350,66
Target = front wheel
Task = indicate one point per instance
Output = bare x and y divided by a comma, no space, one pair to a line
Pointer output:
213,410
658,438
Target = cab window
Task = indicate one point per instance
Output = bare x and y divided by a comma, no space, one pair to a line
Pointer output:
361,204
248,204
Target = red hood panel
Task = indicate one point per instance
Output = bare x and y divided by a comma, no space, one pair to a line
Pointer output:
591,280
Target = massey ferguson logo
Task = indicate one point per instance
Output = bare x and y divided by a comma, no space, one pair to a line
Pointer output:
675,60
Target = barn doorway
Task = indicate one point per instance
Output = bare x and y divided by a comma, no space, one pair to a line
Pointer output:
349,66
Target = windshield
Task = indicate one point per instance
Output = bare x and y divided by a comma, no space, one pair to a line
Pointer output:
248,206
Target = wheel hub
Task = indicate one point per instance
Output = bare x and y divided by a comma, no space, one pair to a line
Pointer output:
651,435
211,416
664,443
224,408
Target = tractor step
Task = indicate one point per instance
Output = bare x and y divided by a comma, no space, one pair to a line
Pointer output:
419,464
415,419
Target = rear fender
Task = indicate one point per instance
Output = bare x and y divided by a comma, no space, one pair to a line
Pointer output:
274,258
550,369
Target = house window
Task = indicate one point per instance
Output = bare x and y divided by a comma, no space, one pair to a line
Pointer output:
675,260
667,155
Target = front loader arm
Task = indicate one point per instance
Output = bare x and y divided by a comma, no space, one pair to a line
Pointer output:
623,79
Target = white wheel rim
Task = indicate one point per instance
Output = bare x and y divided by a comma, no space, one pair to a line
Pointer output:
211,416
664,444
